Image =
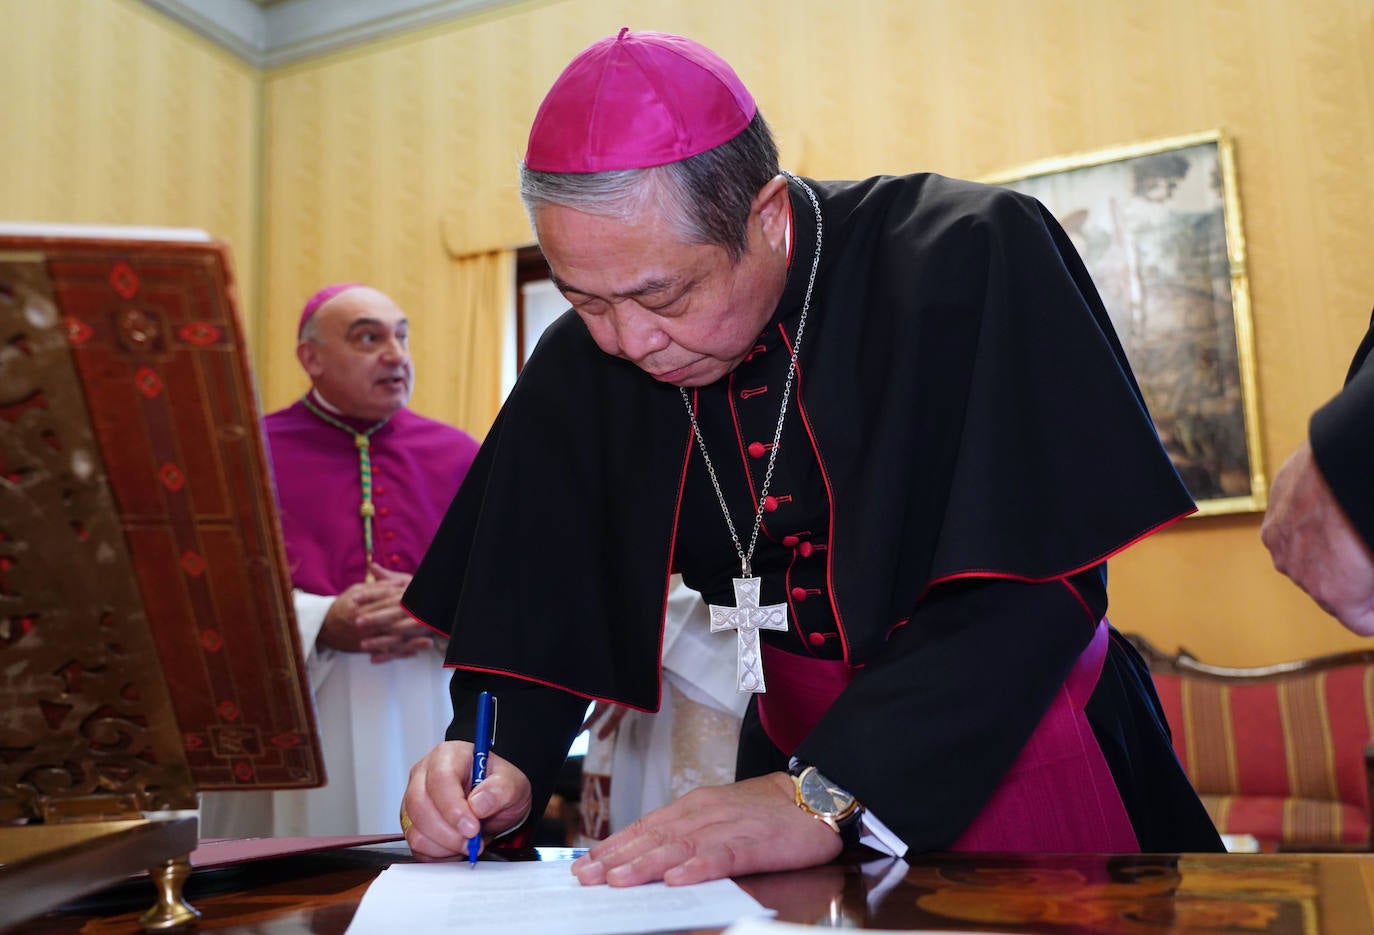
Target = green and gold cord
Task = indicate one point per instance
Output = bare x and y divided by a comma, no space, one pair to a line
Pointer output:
364,444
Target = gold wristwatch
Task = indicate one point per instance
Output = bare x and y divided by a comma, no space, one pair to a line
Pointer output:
823,800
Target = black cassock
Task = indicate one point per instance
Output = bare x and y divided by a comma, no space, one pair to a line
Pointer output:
965,437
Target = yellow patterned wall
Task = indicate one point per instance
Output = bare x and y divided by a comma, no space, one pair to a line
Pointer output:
374,156
372,153
113,114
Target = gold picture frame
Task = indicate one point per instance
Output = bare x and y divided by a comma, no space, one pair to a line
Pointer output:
1158,227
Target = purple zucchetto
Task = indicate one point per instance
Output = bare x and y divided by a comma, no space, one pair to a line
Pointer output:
318,299
638,100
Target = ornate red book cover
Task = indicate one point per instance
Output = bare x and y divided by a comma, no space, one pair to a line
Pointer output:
127,390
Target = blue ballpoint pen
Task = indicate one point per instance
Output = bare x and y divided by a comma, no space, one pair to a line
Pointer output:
481,746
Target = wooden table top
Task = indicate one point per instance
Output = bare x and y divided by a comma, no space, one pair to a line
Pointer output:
1257,894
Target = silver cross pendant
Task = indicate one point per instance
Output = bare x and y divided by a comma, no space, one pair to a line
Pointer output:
746,619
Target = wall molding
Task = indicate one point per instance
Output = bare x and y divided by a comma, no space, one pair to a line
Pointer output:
292,30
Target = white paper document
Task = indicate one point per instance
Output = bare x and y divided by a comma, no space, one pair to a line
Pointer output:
538,898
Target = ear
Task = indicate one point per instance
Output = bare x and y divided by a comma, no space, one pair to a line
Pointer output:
308,353
773,207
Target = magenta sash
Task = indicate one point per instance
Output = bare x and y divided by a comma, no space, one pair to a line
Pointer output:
1058,796
800,690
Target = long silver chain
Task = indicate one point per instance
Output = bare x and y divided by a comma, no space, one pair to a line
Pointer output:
745,556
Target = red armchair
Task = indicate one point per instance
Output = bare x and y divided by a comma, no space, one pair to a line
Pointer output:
1280,752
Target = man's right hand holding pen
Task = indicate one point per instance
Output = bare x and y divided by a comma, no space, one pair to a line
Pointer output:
444,813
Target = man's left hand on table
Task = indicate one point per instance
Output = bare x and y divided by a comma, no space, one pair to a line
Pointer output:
711,833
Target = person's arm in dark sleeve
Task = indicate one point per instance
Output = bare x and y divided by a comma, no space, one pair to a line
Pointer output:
1319,526
1342,437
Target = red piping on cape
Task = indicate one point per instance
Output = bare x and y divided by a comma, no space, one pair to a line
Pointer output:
425,622
830,509
1075,592
792,626
530,678
741,449
672,546
1030,579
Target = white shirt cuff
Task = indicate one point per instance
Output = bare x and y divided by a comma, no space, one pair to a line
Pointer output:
310,613
873,833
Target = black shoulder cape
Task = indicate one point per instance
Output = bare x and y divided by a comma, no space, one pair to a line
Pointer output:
972,407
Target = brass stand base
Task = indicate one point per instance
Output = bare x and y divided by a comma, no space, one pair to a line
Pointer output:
45,865
171,911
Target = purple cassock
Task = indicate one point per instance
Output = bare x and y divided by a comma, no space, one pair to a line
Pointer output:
417,465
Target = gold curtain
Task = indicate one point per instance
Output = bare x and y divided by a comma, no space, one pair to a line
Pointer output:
458,348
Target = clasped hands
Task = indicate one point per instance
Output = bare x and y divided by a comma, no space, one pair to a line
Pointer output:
709,834
368,618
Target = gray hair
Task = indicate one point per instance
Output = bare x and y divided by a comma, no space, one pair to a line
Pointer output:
310,331
706,197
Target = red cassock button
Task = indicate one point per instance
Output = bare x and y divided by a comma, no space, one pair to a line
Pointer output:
816,639
395,559
757,449
383,511
379,491
805,549
790,541
770,503
388,535
799,594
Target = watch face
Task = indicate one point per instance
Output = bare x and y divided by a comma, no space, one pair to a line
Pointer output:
822,797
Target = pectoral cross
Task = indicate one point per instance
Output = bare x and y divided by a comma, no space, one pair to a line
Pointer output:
746,619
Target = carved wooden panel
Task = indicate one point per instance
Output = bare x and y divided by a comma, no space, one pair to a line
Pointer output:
86,725
146,628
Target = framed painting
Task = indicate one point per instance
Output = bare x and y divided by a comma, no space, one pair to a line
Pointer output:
1158,226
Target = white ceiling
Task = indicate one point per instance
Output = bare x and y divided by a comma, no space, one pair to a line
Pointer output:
266,33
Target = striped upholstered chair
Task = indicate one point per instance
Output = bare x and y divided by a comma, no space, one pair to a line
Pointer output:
1279,752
